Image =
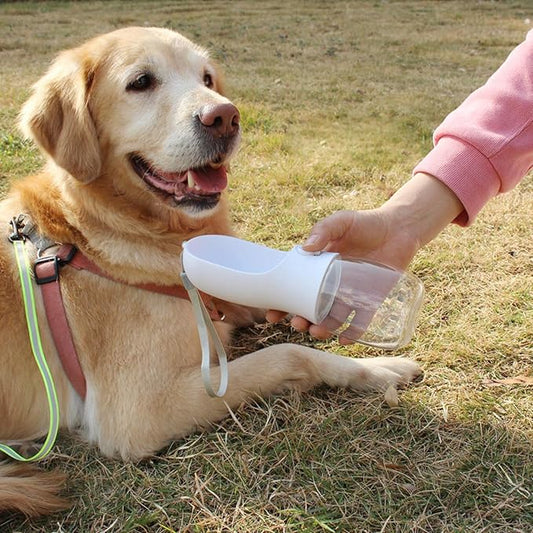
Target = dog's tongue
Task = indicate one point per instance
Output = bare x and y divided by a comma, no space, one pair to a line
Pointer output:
210,180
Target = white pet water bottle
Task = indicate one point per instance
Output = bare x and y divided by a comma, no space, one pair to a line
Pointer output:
359,300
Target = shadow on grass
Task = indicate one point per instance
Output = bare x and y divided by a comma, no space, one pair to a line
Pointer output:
324,461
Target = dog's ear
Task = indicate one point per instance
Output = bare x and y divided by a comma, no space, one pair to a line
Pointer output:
57,116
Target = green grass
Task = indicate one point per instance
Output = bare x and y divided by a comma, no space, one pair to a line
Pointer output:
338,103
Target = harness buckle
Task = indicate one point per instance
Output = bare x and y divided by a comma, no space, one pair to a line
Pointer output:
42,266
46,268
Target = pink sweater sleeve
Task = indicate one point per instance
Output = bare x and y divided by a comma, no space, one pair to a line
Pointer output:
485,146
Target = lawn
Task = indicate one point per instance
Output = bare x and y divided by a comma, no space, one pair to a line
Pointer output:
338,101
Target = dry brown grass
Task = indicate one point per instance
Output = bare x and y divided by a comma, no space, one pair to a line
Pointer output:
339,100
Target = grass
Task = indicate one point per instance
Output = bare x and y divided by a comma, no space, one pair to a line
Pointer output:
339,100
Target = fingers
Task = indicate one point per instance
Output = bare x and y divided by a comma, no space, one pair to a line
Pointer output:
274,316
299,323
318,332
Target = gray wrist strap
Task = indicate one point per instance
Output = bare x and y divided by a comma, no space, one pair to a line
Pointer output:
206,329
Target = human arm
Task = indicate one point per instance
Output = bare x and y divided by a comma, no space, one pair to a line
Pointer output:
485,146
393,233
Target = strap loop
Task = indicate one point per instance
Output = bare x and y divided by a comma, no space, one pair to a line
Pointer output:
205,330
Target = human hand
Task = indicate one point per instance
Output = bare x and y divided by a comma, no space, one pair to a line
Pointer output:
390,234
367,234
355,235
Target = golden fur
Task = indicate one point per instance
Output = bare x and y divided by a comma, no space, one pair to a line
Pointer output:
139,350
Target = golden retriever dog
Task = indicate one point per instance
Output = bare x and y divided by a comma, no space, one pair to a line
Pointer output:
137,136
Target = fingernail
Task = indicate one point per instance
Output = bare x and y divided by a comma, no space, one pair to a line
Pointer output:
311,240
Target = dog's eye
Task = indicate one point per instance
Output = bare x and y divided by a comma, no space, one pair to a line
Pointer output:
141,83
208,80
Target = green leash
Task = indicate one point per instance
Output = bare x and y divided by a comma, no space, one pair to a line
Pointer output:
26,283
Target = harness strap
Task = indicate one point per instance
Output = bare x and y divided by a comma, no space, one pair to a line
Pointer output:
70,255
47,276
47,270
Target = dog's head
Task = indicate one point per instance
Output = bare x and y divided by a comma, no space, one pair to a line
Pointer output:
139,113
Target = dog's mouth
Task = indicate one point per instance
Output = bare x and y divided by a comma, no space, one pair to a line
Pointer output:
197,187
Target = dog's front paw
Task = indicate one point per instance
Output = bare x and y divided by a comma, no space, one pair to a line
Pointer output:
405,370
384,373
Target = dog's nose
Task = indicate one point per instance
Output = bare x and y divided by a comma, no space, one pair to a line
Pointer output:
220,119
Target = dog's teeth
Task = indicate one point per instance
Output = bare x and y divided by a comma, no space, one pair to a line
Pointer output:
190,180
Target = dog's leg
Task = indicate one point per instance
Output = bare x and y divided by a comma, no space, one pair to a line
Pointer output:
287,366
185,407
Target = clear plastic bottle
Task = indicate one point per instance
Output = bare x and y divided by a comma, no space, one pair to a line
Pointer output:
370,303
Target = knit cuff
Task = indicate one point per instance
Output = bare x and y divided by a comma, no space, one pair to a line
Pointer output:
466,171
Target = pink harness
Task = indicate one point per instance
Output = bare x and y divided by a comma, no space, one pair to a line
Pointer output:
47,270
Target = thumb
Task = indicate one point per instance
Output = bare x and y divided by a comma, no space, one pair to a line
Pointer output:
328,230
315,242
